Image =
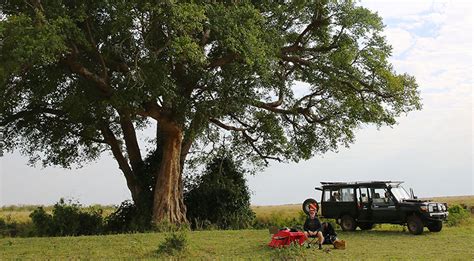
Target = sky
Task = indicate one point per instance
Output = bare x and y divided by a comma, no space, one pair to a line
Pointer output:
431,149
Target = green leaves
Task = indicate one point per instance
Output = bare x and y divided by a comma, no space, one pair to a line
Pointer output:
25,43
235,63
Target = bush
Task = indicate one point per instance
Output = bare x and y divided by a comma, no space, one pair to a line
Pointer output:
175,242
127,218
42,221
457,215
67,219
220,197
7,228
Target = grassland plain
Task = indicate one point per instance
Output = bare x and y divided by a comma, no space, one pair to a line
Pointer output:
386,242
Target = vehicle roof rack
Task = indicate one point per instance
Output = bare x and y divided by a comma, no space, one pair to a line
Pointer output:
335,183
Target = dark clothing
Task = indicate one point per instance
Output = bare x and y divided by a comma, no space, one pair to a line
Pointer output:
312,224
328,233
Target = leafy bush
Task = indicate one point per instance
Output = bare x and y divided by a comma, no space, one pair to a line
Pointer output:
174,242
457,215
8,229
42,221
219,197
67,219
126,218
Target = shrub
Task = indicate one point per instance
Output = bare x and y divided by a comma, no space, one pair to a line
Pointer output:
127,218
42,221
457,215
67,219
175,242
7,228
219,197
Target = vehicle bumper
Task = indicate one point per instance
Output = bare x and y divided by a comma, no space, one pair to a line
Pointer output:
436,216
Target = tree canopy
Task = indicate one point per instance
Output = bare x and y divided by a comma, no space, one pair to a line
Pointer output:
272,80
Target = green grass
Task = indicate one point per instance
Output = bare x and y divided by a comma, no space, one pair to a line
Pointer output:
385,242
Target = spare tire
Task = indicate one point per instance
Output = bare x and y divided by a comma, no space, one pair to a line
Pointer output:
306,204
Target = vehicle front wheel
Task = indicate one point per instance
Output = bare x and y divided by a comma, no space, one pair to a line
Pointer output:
348,223
366,226
415,225
436,226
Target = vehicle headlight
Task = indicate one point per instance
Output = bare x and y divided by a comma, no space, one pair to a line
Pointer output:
430,208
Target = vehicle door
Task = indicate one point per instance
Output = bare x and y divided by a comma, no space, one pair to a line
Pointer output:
363,204
338,201
383,205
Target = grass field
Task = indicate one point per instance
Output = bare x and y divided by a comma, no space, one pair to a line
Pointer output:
386,242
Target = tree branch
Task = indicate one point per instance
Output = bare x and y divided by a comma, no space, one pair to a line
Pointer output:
110,138
96,48
30,112
151,109
131,142
225,126
252,144
219,62
81,70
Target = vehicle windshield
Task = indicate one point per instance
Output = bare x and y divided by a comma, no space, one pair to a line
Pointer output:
400,193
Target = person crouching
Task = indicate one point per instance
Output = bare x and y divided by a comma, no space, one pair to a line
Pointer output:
312,226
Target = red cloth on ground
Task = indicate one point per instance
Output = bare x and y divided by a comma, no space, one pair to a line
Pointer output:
285,238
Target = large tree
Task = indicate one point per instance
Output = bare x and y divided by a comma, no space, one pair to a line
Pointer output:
272,80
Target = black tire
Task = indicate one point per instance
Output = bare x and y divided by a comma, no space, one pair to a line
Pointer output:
348,223
436,226
306,205
366,226
415,225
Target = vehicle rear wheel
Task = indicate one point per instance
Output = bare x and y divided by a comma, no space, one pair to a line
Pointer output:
436,226
306,204
415,225
348,223
366,226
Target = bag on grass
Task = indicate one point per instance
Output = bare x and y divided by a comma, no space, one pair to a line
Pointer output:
339,244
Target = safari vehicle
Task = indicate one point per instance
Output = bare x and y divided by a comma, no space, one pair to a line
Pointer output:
363,204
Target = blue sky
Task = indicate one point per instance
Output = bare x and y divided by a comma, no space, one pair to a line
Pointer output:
431,149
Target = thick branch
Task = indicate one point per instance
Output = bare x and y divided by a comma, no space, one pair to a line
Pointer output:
30,112
80,69
123,164
225,126
96,48
295,60
131,142
219,62
152,109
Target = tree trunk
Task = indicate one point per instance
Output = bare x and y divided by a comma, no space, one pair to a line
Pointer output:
168,204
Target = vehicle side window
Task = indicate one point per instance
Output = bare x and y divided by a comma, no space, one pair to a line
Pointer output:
347,194
363,195
333,195
381,197
327,195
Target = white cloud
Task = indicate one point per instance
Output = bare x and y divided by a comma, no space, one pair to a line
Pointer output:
442,61
397,9
401,40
